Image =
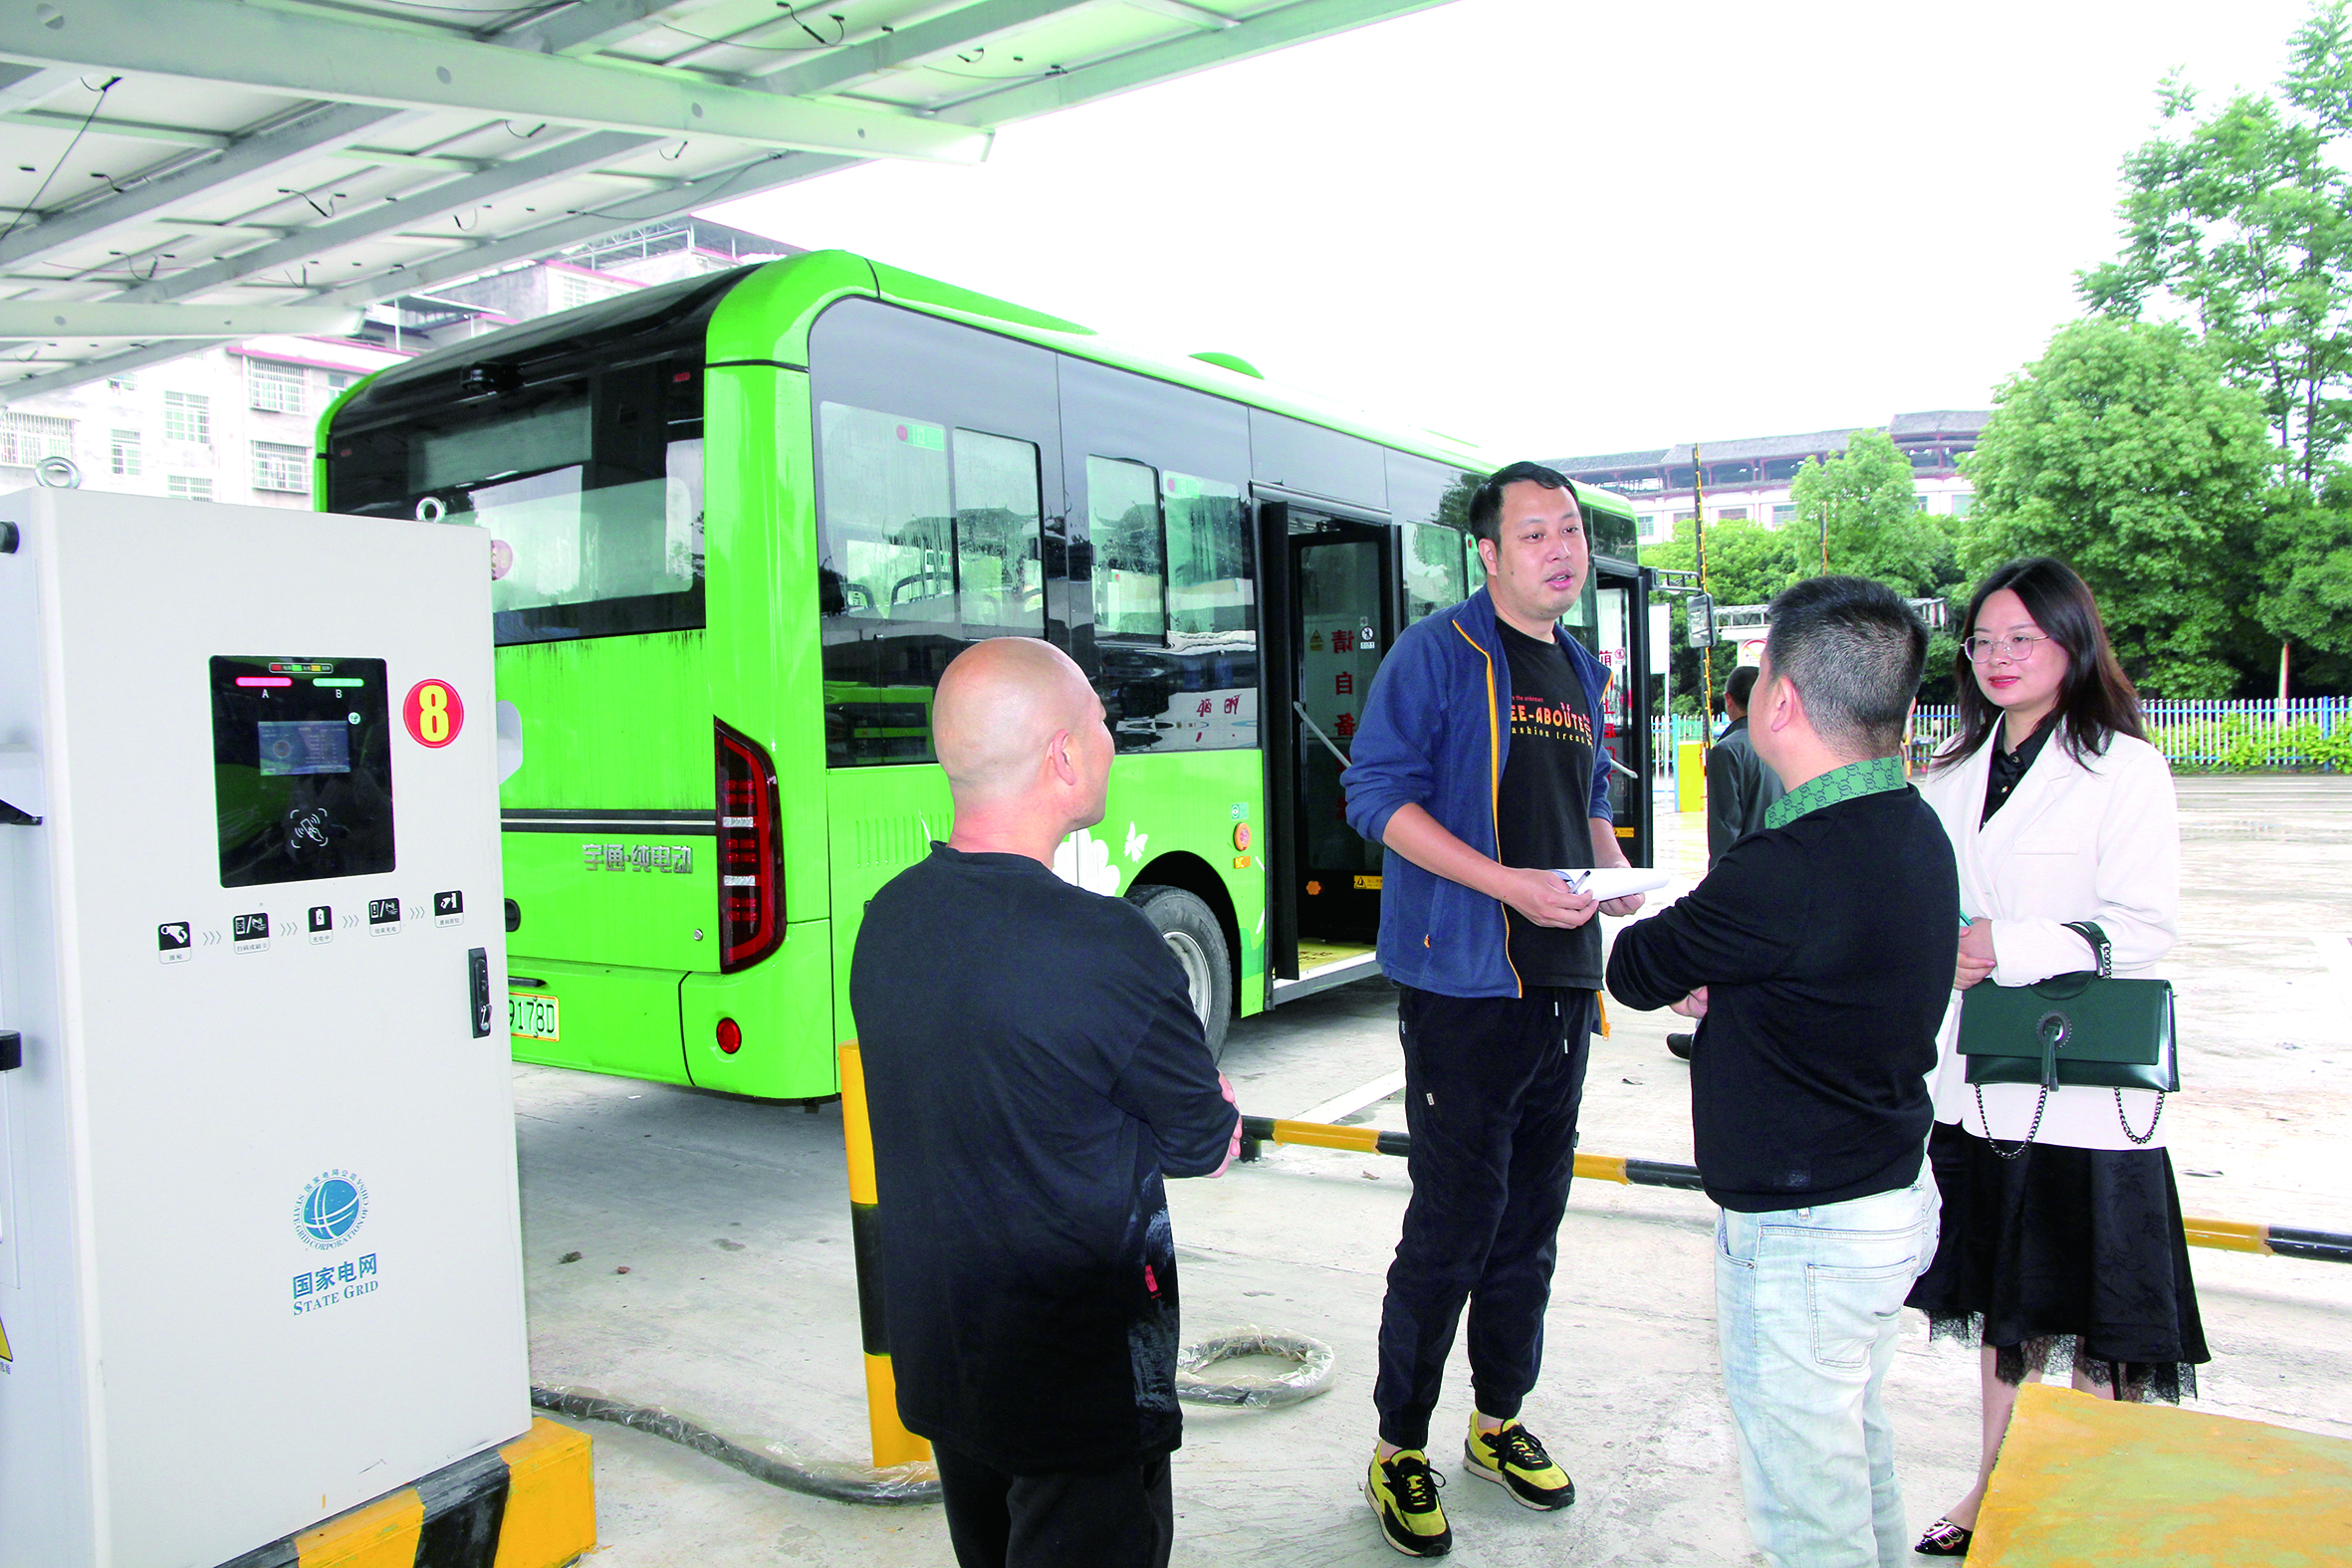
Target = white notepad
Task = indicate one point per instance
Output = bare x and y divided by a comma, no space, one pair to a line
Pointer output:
1607,882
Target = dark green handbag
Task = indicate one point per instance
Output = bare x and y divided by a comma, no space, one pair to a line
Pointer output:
2081,1031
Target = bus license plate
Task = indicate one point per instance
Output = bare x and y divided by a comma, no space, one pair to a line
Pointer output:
532,1018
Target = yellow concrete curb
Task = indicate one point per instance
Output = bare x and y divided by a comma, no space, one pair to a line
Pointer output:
529,1503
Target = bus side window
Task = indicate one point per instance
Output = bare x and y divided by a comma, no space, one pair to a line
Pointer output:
1212,590
999,528
1434,569
886,525
1130,567
1431,504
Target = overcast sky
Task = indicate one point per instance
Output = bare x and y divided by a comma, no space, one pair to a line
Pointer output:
1557,228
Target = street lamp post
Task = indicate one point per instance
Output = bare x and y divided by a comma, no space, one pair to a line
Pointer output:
1706,649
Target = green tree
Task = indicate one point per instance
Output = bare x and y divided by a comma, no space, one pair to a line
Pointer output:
1859,514
2242,221
2305,593
1746,563
2125,453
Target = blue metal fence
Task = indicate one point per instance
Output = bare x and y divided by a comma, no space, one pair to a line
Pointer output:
2311,732
2303,732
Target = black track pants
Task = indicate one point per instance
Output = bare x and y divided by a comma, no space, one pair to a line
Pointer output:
1492,1087
1116,1518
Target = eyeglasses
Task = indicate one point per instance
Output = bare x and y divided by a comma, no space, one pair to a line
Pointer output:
2018,648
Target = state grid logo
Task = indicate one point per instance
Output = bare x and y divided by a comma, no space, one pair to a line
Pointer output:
330,1210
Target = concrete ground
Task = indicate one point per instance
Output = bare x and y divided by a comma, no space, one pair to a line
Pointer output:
738,1304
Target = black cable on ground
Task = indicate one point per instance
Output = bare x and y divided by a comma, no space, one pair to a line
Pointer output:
915,1482
840,1485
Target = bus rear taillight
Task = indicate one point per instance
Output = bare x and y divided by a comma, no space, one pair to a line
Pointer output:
751,854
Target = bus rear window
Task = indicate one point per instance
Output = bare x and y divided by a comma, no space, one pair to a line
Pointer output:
540,438
553,544
591,489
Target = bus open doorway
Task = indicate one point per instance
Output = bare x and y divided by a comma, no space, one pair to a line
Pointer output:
1334,610
1339,586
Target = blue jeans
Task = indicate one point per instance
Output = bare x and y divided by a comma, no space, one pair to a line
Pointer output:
1806,1307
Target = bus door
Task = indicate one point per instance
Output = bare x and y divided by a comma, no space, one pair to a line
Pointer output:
1335,615
1613,621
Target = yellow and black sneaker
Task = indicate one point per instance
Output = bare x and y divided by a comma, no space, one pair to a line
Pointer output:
1514,1458
1403,1495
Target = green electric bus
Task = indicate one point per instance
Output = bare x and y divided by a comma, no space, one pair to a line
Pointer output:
738,526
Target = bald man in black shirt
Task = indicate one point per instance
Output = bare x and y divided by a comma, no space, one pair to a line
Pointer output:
1034,1071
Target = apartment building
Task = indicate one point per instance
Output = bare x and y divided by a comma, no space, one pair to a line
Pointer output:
1749,480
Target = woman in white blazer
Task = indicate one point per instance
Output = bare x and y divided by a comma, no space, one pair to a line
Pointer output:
2062,1233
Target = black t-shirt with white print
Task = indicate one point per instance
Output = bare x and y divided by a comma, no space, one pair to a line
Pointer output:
1543,810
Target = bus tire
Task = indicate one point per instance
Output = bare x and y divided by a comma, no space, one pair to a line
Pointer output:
1197,941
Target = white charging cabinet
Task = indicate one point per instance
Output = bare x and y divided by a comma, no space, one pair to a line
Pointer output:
259,1254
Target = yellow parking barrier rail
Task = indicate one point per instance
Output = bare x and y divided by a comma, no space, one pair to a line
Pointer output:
2229,1236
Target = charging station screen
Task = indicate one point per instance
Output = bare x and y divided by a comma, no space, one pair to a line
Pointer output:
305,746
301,772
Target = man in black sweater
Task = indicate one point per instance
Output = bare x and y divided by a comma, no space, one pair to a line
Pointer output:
1740,788
1034,1070
1817,954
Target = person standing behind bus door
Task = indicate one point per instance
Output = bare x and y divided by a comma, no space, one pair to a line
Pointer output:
2059,810
1740,788
1021,1133
1815,955
1476,766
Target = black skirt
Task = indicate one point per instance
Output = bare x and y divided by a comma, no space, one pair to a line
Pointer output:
2064,1256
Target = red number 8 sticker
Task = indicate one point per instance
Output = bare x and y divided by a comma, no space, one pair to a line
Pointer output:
433,714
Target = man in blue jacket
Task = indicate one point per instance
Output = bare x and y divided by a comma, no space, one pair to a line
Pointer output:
1478,766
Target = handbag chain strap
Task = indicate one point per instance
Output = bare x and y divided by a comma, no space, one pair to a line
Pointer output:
2040,1105
2139,1138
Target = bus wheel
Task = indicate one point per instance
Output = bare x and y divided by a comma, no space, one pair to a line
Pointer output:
1190,928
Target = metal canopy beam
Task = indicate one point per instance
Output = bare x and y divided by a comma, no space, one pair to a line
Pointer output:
959,29
316,57
21,87
41,319
1185,11
57,120
589,25
1258,35
746,179
112,365
384,217
627,213
252,157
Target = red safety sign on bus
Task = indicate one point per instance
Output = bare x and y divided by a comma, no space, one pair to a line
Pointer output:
433,712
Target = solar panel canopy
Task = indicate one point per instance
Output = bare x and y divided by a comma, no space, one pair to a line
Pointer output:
184,171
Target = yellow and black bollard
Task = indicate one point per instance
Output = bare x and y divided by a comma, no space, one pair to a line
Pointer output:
893,1445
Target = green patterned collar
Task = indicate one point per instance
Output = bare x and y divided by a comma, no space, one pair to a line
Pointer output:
1850,782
